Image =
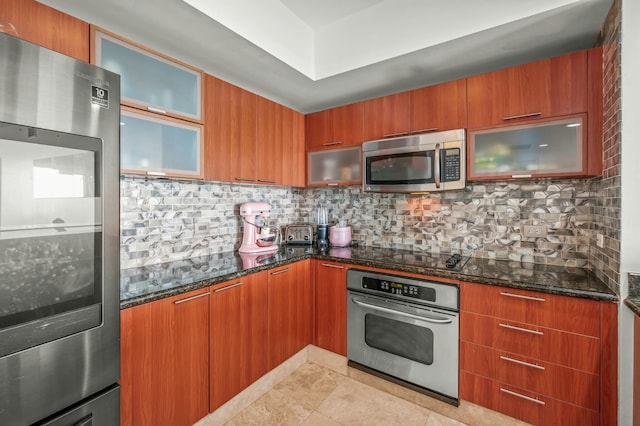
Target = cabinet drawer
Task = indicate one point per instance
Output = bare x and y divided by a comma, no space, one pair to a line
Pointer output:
546,310
521,404
568,349
553,380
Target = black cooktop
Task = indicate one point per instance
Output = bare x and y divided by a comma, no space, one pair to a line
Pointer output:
451,262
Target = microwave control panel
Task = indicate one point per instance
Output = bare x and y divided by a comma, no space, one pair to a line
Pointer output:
450,164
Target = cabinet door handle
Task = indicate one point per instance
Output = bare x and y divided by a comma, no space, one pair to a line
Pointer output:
328,265
188,299
243,179
432,129
158,110
519,296
519,395
526,330
230,286
520,176
156,174
266,181
516,361
280,271
391,135
332,184
332,143
513,117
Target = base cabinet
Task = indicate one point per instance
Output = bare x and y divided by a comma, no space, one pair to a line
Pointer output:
165,361
289,317
238,336
541,358
330,288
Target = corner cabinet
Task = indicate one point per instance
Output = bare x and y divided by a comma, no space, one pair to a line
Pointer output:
165,361
542,119
541,358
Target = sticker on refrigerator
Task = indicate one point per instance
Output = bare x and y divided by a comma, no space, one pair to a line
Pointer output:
100,96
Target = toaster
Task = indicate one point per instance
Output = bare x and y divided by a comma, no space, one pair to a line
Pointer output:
298,234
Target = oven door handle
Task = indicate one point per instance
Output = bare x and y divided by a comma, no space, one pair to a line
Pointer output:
404,314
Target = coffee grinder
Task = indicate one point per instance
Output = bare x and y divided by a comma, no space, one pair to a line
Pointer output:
257,236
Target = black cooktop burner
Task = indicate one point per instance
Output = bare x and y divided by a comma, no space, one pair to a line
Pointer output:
452,262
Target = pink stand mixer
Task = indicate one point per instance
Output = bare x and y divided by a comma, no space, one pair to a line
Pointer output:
257,236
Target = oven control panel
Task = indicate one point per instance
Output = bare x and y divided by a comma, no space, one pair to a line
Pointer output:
402,289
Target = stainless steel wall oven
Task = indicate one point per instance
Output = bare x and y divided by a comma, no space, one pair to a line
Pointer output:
406,330
59,238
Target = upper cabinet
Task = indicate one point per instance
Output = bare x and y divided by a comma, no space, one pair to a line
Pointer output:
546,88
47,27
251,139
430,109
150,80
542,119
335,128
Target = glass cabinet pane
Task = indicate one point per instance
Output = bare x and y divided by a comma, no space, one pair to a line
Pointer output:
154,145
334,166
538,148
149,79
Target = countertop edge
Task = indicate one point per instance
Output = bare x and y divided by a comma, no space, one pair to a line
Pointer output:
633,303
455,275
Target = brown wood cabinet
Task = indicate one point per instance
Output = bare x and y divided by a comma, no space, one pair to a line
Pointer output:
249,138
290,311
335,128
47,27
330,321
434,108
538,357
165,361
238,336
546,88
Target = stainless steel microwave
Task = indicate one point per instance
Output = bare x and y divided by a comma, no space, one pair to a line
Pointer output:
420,163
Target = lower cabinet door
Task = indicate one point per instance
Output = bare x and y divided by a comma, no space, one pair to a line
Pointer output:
331,306
165,361
289,323
238,336
523,404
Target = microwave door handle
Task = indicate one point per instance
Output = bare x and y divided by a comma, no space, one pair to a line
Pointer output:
404,314
436,166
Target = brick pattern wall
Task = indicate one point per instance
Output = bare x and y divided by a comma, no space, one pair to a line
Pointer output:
605,219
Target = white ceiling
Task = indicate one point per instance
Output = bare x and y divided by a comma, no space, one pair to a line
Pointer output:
315,54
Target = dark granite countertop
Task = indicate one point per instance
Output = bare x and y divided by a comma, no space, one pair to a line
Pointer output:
147,283
633,301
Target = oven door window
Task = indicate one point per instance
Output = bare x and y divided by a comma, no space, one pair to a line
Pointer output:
401,169
50,235
399,338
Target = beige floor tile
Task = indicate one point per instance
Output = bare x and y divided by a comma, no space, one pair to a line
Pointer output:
354,403
272,409
310,384
317,419
436,419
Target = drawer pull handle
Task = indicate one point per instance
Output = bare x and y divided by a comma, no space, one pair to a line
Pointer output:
519,296
332,143
432,129
188,299
217,290
512,327
391,135
328,265
528,398
506,358
513,117
280,271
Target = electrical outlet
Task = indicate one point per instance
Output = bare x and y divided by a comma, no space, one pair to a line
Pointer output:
600,240
534,231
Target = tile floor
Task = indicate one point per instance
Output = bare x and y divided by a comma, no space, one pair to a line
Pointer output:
315,395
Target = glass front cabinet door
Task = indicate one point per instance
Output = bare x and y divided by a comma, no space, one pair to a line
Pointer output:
334,167
541,148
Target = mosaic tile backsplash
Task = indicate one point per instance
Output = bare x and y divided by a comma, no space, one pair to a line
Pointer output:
168,220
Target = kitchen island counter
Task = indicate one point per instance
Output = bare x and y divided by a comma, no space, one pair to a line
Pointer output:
147,283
